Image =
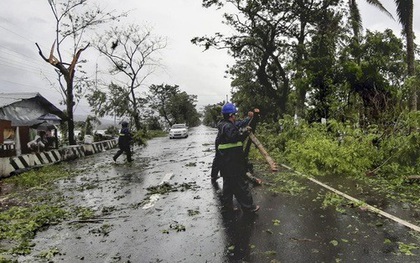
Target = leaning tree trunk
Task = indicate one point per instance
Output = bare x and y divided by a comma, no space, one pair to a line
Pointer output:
262,150
410,60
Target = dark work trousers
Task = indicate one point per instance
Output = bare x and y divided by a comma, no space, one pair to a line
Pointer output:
215,167
233,169
127,152
238,187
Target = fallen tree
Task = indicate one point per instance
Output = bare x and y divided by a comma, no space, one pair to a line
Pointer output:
262,150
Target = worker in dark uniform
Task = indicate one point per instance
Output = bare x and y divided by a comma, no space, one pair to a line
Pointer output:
124,142
215,165
232,162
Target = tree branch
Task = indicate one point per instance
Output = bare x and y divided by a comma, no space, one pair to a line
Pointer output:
75,59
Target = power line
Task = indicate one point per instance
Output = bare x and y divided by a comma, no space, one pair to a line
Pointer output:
14,53
26,64
21,84
20,57
27,69
13,32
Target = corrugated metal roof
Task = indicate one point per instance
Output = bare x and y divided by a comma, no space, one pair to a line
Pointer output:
25,109
10,98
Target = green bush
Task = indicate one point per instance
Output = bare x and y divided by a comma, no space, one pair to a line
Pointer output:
331,149
399,148
338,148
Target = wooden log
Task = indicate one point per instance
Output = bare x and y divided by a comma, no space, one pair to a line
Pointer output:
413,179
267,157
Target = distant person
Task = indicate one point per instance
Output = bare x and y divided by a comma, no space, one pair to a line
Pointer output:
39,142
80,137
49,139
124,142
232,162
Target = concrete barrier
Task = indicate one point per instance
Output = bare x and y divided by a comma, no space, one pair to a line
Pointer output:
19,164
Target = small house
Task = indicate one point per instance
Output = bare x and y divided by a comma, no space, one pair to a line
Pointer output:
28,123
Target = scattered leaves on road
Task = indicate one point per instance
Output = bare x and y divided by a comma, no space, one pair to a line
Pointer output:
276,222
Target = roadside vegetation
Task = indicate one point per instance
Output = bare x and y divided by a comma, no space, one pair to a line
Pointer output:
31,204
384,163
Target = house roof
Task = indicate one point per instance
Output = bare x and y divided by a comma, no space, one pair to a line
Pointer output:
27,109
10,98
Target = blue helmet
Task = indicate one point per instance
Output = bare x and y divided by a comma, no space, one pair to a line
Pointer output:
124,124
229,108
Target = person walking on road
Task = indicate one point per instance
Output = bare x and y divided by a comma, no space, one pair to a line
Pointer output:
124,142
215,165
232,162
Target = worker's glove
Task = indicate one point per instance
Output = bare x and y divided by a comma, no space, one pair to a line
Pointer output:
245,130
242,130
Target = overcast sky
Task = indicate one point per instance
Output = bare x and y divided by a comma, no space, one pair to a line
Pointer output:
24,22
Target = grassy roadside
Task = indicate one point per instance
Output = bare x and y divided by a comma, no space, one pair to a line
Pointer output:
30,203
395,189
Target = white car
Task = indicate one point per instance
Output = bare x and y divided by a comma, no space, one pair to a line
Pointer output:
178,131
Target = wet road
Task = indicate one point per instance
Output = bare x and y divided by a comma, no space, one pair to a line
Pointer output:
162,208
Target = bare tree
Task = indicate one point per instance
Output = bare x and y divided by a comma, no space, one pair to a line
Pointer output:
73,18
132,52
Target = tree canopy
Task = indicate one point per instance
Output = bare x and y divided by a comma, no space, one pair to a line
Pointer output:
299,57
173,105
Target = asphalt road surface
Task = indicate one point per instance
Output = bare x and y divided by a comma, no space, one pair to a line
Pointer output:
163,208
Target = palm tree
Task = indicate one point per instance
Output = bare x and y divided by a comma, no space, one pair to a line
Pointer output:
405,16
356,19
405,9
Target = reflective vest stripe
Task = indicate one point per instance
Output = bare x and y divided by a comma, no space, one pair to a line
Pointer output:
225,146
